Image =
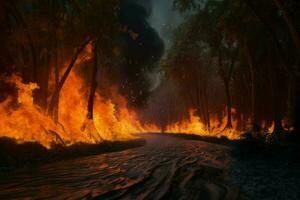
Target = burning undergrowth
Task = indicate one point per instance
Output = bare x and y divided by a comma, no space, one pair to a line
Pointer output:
24,121
113,120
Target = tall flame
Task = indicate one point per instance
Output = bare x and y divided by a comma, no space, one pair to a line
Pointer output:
24,121
109,123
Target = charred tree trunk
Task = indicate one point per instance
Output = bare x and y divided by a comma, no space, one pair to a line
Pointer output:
277,119
41,95
272,34
56,76
292,29
291,99
226,81
205,96
201,96
56,93
90,113
255,125
290,69
88,124
297,106
228,100
294,108
45,82
19,17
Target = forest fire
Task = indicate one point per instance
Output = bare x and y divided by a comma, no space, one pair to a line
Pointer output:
149,99
194,126
24,121
57,104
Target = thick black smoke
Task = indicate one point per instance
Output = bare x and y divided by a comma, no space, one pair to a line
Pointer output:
141,47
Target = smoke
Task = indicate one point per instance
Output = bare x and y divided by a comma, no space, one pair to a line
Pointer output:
164,19
142,48
150,25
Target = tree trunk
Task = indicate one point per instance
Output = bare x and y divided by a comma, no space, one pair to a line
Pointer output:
56,93
88,124
207,115
292,29
277,119
56,76
198,93
228,100
297,106
19,17
200,108
255,125
90,114
206,109
291,99
296,40
272,34
294,109
46,82
226,81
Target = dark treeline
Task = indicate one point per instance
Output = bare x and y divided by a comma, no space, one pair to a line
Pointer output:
240,57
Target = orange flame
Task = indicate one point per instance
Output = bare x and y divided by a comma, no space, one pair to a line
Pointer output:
24,121
194,125
109,123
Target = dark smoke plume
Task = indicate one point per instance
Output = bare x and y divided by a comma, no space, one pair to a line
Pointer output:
142,48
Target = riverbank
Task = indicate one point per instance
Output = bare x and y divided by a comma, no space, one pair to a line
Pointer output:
14,156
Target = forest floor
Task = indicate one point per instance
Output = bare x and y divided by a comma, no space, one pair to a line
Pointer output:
267,179
26,155
176,167
269,171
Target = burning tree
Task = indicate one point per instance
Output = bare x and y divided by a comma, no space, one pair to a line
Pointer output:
52,31
226,30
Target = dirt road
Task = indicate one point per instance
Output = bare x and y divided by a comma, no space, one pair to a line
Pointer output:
165,168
